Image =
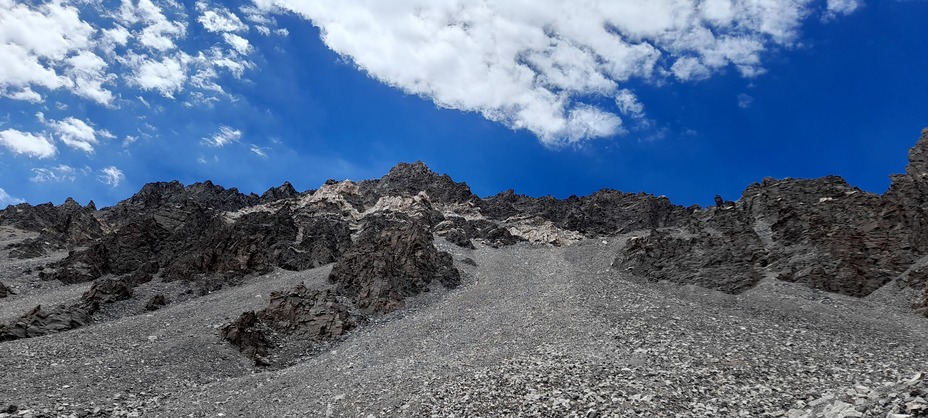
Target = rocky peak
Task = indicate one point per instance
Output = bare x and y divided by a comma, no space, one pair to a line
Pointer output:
284,191
171,202
71,204
407,179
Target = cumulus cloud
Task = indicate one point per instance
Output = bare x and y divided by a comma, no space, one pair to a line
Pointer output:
78,46
111,176
218,18
33,145
57,174
628,104
543,65
223,137
6,199
74,132
166,75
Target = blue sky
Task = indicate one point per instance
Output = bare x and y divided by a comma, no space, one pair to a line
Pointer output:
681,98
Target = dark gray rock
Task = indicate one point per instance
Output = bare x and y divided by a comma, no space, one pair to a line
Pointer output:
390,261
60,227
299,313
406,179
5,291
39,322
727,262
606,212
284,191
156,302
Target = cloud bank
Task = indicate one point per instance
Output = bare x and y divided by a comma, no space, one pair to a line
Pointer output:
546,65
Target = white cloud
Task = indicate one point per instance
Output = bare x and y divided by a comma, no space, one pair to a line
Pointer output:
538,65
75,133
225,136
166,76
79,46
237,43
57,174
111,176
218,19
6,199
259,151
842,7
33,145
745,101
628,103
89,74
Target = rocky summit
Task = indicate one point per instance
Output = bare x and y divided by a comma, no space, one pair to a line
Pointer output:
411,296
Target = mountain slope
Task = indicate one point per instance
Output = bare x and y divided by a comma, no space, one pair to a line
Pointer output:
410,296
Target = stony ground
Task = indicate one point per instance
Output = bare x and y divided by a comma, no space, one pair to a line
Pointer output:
532,331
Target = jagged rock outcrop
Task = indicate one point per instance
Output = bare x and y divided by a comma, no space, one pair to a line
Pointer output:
729,262
39,322
258,242
284,191
391,260
5,291
829,235
131,247
170,204
821,232
60,227
299,313
156,302
406,179
606,212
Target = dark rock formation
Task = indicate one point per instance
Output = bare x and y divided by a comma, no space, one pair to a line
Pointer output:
727,262
393,258
821,232
60,227
606,212
170,204
5,291
156,302
308,315
409,179
284,191
391,261
39,322
258,242
124,251
105,291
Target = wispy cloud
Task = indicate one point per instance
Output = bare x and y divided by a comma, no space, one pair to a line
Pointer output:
6,199
223,137
111,176
259,151
57,174
745,101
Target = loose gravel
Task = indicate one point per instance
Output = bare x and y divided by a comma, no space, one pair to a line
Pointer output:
532,331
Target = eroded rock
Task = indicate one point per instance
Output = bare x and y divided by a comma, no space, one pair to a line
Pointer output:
391,260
